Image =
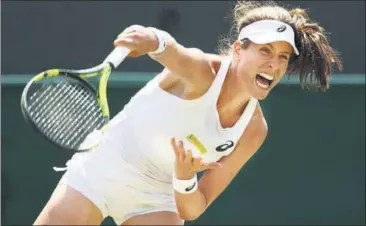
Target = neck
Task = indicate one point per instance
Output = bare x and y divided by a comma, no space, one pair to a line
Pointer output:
232,99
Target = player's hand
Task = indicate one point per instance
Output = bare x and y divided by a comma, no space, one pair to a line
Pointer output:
139,39
186,166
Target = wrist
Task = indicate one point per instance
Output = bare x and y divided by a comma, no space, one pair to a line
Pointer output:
185,186
184,176
160,36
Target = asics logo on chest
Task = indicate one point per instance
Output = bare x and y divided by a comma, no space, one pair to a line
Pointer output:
202,149
225,146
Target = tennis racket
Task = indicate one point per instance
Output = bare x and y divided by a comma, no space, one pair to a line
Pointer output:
66,109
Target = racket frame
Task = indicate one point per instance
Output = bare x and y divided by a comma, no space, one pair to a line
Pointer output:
79,75
111,62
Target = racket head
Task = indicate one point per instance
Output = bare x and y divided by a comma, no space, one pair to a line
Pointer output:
64,108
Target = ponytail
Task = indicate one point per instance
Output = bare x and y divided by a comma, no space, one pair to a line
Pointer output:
317,58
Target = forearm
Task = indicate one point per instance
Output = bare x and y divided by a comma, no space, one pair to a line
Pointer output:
190,200
190,206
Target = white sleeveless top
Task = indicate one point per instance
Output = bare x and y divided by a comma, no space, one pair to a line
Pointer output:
141,132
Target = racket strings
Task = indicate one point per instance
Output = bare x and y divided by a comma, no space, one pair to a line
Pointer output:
66,112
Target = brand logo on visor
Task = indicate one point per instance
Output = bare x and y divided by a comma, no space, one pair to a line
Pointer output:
281,28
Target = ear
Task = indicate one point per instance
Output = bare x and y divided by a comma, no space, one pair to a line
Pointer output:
236,48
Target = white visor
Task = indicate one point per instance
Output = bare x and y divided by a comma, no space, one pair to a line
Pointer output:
266,31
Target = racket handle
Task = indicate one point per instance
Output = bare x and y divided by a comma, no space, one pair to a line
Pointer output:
117,55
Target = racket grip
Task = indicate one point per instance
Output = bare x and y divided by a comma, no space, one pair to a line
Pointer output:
117,55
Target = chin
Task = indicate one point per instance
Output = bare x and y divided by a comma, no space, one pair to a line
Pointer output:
261,95
258,92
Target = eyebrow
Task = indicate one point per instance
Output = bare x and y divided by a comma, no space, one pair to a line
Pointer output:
273,48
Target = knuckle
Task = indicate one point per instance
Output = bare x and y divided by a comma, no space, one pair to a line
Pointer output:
135,26
135,35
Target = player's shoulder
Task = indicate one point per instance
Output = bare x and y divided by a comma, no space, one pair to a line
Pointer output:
211,65
214,60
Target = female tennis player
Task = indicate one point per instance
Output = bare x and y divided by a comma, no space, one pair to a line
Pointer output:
201,113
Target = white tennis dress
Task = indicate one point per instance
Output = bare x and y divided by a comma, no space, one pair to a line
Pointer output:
130,172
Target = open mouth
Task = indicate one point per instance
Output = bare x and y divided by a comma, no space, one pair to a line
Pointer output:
264,80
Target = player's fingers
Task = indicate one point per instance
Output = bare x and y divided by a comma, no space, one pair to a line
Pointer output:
131,43
130,29
211,165
188,159
197,162
126,41
182,152
175,147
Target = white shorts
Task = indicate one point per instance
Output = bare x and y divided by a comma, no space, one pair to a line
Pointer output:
116,187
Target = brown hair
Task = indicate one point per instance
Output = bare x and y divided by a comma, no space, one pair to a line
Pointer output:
317,58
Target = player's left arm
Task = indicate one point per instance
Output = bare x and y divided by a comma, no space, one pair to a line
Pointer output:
214,182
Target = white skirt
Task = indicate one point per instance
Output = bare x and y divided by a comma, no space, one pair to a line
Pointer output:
116,187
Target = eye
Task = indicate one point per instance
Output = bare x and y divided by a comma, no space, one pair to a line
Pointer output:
265,50
284,57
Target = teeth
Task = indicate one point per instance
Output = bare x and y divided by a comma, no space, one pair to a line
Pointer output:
267,76
264,86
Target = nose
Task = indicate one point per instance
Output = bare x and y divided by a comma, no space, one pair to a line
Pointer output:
274,64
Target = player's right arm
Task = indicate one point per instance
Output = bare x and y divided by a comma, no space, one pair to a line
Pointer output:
190,64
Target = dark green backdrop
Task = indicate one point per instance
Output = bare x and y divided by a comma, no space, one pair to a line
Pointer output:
311,169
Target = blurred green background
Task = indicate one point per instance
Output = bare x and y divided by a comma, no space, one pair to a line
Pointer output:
310,170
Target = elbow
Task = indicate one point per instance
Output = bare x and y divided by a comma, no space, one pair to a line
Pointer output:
190,215
191,207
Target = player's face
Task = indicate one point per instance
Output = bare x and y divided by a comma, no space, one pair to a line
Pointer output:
260,67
